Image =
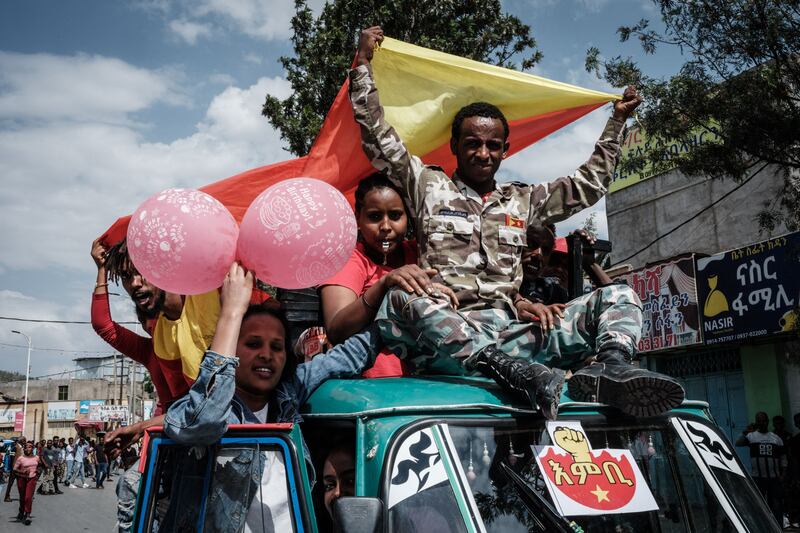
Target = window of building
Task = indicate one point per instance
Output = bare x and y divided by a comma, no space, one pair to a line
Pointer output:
63,392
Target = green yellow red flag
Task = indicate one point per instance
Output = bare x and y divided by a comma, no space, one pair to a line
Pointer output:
421,91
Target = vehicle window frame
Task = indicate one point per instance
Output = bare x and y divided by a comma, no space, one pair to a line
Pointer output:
301,504
393,445
661,423
729,506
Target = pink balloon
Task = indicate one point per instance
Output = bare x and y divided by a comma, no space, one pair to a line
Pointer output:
297,233
183,241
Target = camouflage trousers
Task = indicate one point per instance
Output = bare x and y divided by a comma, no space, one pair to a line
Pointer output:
429,333
58,472
46,480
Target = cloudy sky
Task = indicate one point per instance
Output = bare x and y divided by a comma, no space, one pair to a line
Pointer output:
104,103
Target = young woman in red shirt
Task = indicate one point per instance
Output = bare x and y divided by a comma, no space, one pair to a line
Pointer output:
26,470
383,258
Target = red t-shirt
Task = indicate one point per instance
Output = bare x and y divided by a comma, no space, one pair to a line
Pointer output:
358,275
26,465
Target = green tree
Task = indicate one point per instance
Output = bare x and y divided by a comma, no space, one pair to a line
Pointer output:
324,48
741,76
147,383
6,376
590,225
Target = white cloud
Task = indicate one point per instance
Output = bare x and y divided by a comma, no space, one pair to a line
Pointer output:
264,20
65,180
648,6
541,4
251,57
592,6
222,79
54,346
190,31
43,335
80,88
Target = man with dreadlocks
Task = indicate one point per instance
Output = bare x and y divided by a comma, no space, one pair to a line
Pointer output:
181,329
114,265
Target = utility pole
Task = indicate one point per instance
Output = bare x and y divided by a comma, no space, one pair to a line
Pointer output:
121,377
27,378
132,396
114,381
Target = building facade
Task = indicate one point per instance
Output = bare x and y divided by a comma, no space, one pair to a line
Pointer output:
70,406
720,294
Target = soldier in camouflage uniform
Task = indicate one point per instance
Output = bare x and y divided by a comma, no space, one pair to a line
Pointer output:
472,230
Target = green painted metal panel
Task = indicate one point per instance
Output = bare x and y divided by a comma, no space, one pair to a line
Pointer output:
763,380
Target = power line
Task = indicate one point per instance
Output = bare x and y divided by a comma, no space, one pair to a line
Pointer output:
41,321
111,364
717,222
62,350
106,365
706,208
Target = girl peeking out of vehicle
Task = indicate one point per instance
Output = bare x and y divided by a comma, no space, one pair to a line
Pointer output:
246,377
383,258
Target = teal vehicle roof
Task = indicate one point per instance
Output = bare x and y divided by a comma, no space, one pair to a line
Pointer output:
343,398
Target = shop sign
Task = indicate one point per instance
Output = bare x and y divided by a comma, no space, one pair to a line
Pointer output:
108,413
752,291
668,292
61,411
19,421
7,415
637,143
86,404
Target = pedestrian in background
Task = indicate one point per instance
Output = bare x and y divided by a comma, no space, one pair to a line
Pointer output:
768,459
25,468
101,463
18,447
88,459
793,477
78,468
60,466
15,451
47,457
113,466
70,449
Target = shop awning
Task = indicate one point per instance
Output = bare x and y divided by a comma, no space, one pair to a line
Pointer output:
83,424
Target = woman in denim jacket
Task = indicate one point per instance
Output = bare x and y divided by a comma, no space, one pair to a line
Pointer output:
259,384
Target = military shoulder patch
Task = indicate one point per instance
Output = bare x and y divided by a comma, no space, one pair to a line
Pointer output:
515,222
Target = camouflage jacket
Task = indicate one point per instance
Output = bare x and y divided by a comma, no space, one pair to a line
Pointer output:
476,246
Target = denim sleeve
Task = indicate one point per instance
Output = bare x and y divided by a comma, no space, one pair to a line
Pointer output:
347,359
201,416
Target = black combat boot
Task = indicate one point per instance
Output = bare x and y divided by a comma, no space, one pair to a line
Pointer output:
533,382
613,381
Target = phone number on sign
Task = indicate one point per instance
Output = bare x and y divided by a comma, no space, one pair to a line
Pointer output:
667,341
737,337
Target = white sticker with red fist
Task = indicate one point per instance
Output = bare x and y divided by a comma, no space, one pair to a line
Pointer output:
583,481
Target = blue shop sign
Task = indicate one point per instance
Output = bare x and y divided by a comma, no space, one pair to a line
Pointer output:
750,292
85,404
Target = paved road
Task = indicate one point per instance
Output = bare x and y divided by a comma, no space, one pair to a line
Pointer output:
75,510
